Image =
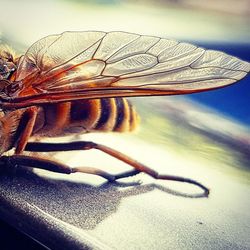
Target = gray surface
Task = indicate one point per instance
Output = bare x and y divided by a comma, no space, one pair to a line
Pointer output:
80,211
83,211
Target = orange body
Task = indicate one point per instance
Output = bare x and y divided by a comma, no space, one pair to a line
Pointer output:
106,114
67,118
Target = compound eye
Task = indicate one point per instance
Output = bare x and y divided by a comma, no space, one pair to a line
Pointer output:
6,69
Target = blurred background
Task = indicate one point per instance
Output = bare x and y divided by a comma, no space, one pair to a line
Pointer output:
203,131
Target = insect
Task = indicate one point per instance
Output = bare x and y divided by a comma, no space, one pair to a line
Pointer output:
76,82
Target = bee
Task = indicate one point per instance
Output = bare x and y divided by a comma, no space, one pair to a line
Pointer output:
77,82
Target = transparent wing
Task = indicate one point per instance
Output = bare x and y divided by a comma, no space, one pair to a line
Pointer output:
76,65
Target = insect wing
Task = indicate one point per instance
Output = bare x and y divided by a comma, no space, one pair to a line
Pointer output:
83,65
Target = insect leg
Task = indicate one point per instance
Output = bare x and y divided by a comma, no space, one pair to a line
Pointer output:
85,145
30,118
35,162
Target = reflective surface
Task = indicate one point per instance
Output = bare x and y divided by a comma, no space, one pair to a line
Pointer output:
139,212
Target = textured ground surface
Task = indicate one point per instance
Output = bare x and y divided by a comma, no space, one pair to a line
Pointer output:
83,210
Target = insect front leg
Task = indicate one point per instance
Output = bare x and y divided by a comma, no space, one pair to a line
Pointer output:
86,145
29,119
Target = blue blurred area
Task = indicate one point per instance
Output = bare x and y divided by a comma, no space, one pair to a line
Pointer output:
234,100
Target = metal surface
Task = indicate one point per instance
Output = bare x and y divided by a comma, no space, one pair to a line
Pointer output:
83,211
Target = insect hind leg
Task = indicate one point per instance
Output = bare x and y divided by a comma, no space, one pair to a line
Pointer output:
35,162
86,145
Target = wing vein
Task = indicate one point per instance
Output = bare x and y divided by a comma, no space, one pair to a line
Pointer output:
108,64
73,58
124,46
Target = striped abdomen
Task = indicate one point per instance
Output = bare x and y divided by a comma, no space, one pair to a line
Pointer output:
106,114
